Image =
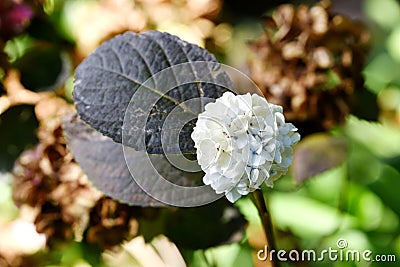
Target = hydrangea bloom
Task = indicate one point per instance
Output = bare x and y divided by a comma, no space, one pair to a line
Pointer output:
243,141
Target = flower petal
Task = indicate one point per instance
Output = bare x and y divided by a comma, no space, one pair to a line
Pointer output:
243,141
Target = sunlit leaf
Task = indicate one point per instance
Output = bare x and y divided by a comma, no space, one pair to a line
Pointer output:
381,71
392,44
305,216
382,140
385,12
356,239
230,255
80,254
8,210
248,209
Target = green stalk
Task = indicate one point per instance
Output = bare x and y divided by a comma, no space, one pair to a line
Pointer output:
259,201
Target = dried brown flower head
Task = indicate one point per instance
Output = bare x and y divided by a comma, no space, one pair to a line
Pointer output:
309,61
48,179
111,222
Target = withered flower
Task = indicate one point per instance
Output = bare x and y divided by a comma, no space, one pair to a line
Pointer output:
309,61
48,179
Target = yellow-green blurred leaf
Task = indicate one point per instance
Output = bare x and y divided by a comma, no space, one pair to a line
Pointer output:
392,44
232,255
384,12
306,217
381,71
382,140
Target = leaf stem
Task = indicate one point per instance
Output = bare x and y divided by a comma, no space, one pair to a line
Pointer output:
259,201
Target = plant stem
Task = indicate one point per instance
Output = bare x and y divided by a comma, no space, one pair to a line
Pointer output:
259,201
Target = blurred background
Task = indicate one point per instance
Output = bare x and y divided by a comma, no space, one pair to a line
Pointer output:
333,65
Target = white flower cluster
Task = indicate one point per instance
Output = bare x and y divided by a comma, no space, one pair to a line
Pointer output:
242,141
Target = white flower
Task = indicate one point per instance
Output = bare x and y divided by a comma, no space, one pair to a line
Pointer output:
286,137
243,141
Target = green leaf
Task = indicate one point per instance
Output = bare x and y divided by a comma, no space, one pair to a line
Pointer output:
382,140
206,226
248,209
81,254
43,67
17,133
317,153
306,217
333,80
107,79
196,228
230,255
370,177
389,98
8,210
369,209
392,43
358,171
381,71
387,188
327,187
384,12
